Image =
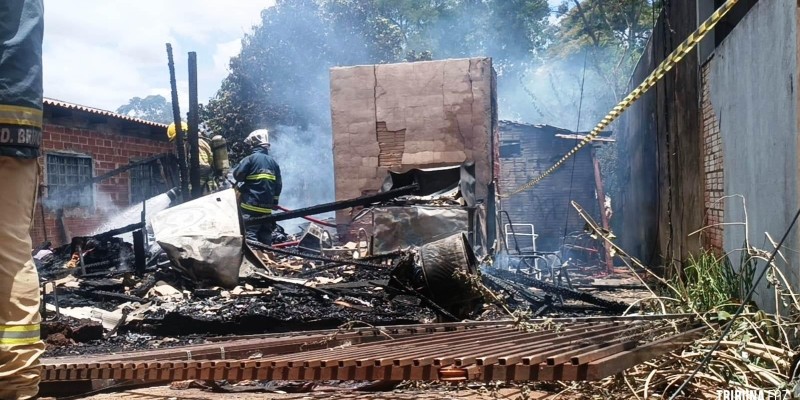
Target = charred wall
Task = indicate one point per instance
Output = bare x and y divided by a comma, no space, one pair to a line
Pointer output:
661,150
410,115
525,151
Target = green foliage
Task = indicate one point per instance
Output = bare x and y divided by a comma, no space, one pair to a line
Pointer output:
711,283
281,75
153,108
613,32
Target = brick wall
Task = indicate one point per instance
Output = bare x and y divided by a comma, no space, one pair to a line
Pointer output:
714,173
108,151
410,115
546,205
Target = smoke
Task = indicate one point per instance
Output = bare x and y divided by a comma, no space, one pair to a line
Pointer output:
302,41
305,157
557,93
87,201
133,214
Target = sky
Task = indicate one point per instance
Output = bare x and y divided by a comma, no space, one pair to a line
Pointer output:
102,53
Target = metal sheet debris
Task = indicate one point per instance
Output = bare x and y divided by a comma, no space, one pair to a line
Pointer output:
203,238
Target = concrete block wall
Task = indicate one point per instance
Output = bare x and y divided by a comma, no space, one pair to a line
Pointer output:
753,83
714,171
108,152
410,115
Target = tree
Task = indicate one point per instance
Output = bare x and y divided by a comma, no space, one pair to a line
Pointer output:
613,32
153,108
608,37
281,75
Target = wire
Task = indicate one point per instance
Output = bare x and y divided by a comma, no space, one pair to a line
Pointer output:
577,128
739,311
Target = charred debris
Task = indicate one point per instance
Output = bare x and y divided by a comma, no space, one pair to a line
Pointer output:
188,275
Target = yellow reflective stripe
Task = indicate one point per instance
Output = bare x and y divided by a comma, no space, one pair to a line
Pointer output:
11,342
19,334
19,328
18,115
262,210
258,177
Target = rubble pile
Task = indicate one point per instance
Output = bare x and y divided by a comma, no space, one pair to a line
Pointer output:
195,276
142,311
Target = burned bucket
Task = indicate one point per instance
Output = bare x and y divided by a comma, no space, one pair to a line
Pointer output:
441,263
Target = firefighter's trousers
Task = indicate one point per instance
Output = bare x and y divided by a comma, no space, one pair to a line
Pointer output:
20,346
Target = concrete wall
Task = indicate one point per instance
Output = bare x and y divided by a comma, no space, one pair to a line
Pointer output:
410,115
753,83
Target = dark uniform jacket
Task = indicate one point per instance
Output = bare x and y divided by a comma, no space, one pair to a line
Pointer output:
21,29
260,177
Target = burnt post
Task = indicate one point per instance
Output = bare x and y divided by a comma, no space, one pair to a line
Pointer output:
140,257
194,120
601,198
176,115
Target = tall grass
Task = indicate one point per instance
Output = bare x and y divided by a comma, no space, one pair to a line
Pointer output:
710,282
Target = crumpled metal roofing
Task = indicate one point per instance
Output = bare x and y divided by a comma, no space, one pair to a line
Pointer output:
97,111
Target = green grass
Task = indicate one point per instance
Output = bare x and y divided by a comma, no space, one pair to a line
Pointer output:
709,282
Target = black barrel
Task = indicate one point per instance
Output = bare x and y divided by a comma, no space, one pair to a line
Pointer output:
439,261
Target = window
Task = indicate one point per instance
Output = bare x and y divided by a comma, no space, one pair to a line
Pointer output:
510,148
146,182
64,174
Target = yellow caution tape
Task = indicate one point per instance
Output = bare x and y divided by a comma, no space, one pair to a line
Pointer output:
673,59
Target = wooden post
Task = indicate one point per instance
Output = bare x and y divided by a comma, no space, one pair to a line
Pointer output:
194,120
176,115
601,197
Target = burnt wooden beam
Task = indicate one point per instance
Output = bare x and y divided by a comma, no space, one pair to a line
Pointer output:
338,205
194,120
176,115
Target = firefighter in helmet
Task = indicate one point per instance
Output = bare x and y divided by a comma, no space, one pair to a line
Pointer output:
210,168
21,31
259,180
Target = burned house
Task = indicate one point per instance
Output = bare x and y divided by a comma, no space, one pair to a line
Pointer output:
525,151
398,117
80,143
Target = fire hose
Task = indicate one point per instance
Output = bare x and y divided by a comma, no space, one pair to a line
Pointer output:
307,218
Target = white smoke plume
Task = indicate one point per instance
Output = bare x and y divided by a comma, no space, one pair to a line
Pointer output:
305,157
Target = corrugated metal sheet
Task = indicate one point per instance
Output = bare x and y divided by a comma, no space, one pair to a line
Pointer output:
97,111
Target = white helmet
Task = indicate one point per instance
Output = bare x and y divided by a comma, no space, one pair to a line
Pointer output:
258,137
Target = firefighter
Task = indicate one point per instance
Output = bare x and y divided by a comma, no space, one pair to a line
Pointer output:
259,180
21,29
208,173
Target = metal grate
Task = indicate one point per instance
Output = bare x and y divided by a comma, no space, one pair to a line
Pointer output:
579,350
64,172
